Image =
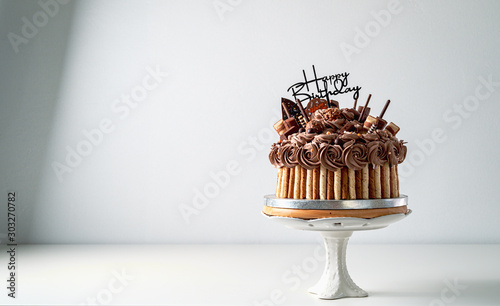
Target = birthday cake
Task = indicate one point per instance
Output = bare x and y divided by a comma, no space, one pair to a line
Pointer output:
330,153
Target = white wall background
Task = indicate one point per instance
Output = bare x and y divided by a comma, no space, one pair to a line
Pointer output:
226,73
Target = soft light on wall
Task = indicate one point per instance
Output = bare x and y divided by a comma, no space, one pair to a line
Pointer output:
150,122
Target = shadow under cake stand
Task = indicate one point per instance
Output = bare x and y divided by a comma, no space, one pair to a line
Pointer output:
335,282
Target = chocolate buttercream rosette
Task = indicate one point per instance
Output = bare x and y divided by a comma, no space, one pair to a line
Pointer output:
287,155
308,156
355,155
331,156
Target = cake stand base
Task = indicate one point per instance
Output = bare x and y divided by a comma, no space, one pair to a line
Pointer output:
335,283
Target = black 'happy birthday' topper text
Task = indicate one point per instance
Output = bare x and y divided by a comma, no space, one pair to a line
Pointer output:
322,87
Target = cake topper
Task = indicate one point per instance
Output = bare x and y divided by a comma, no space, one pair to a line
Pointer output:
323,87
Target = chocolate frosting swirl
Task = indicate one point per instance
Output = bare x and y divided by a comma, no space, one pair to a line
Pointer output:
377,153
339,123
383,135
370,137
391,153
355,156
301,139
347,114
331,156
274,156
324,138
308,156
400,151
287,155
346,137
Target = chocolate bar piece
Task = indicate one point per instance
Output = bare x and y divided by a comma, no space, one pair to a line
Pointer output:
291,123
289,127
369,122
362,113
392,128
280,127
381,123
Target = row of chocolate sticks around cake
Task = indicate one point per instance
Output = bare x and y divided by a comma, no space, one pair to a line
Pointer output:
371,182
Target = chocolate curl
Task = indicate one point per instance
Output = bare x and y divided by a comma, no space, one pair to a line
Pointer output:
355,103
302,110
364,109
334,104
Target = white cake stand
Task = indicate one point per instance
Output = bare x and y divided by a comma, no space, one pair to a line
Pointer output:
335,283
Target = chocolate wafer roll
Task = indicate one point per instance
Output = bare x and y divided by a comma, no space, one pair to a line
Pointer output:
303,183
291,183
322,183
374,183
385,181
297,182
364,183
337,184
316,183
397,175
359,184
284,182
352,184
329,185
394,182
345,183
309,193
278,183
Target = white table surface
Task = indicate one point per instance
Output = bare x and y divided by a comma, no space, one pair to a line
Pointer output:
249,274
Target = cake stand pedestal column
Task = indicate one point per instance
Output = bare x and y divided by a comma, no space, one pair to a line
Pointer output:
335,282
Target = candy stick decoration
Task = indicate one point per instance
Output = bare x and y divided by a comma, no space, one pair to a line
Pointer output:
382,113
286,109
379,118
302,110
364,108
